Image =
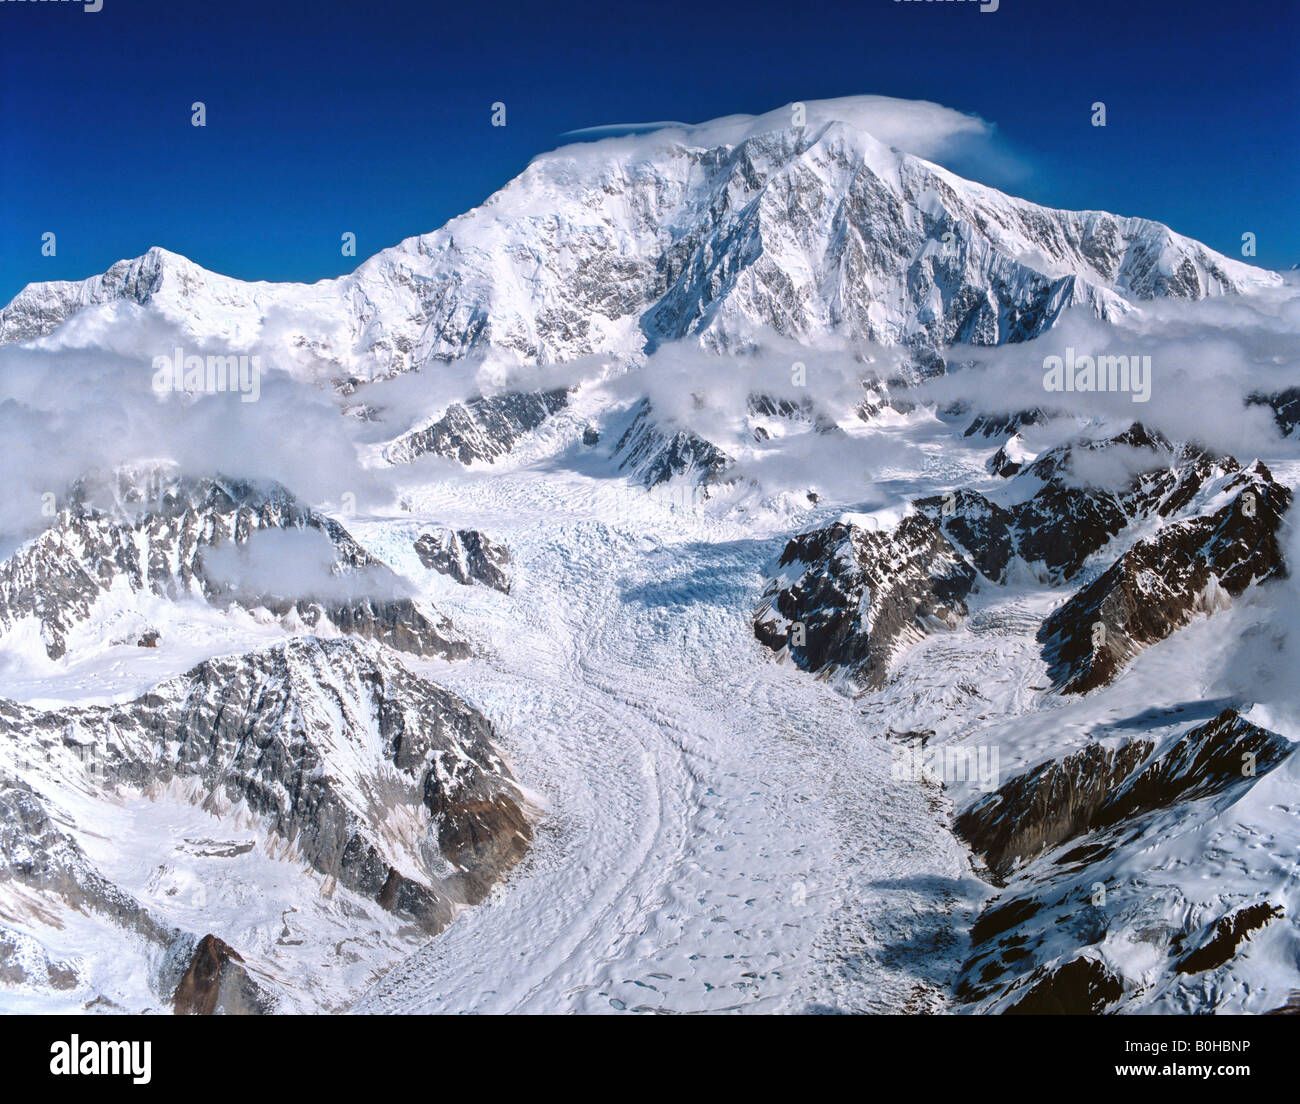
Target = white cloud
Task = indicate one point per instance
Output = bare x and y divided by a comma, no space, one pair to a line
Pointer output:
1207,358
955,139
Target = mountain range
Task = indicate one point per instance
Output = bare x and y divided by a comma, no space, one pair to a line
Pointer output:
706,475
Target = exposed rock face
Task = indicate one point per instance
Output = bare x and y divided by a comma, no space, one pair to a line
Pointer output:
1002,464
848,599
1098,787
291,733
482,837
1063,835
983,530
1055,802
654,455
179,537
481,429
1226,935
804,410
1285,405
1082,987
24,962
35,852
776,407
1161,583
1065,520
216,983
467,555
1004,425
1010,458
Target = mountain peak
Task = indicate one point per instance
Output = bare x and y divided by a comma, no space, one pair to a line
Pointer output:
815,221
918,127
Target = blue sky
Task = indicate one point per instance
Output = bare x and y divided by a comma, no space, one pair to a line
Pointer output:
373,118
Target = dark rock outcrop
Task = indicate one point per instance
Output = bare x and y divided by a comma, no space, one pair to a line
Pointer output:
1189,567
1082,987
482,836
1226,935
286,733
467,555
1067,518
653,455
483,428
178,537
1004,425
1098,787
844,598
1054,802
24,962
1004,462
1285,405
216,982
1290,1008
38,853
1060,836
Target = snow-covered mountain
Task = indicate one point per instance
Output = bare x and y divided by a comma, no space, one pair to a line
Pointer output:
834,669
1064,837
176,537
715,232
313,756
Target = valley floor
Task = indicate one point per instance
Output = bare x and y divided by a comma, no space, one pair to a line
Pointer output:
721,832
